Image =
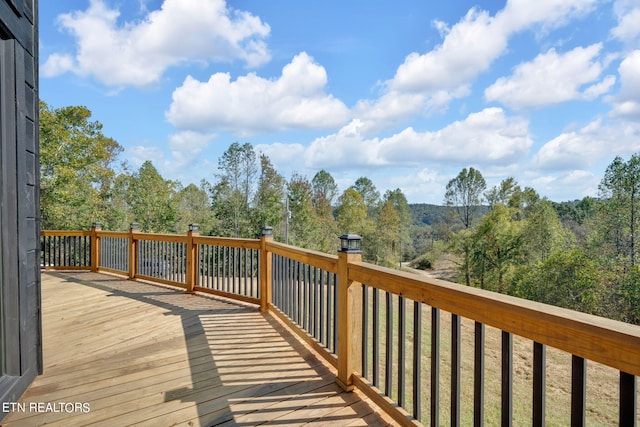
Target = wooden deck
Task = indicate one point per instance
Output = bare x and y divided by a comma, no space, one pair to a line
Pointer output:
120,352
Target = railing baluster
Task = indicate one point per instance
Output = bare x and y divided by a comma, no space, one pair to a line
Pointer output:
628,396
314,313
401,349
417,358
321,331
478,376
376,337
578,391
365,331
329,298
334,284
296,301
507,380
539,384
305,297
388,372
72,250
456,339
435,366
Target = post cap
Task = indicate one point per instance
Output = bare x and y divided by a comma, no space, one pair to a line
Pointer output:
194,227
267,231
134,226
96,225
350,243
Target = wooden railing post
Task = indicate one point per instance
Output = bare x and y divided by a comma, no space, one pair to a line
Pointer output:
95,246
192,258
133,250
266,266
349,313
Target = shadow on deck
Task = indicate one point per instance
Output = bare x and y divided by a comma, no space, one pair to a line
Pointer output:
121,352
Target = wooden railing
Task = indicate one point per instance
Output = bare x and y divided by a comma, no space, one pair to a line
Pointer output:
355,315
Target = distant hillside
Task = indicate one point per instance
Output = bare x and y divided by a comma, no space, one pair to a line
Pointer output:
576,210
425,213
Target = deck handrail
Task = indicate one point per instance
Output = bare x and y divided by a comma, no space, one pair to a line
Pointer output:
324,299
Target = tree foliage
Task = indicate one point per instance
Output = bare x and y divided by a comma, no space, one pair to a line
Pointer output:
464,192
580,255
76,167
234,191
152,200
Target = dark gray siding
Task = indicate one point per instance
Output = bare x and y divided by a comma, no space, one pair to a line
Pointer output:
19,193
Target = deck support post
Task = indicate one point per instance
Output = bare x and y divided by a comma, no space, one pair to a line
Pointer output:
134,228
95,246
266,270
349,314
192,257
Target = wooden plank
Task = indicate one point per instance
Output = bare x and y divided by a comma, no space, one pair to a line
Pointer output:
331,358
145,353
114,234
227,241
229,295
160,237
316,259
62,233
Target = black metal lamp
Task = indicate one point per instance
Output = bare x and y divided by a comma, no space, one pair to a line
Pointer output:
350,243
194,227
267,231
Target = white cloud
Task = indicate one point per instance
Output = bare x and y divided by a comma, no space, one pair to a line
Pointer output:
552,78
141,153
587,147
252,104
488,137
628,14
186,148
282,154
549,14
137,53
627,102
570,185
423,185
57,64
468,48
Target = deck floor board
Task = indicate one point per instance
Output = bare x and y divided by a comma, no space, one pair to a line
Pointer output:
144,354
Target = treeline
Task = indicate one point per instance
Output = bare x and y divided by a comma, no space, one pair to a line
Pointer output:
81,182
581,255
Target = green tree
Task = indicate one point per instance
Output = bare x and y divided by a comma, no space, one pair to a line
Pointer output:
494,249
370,195
399,201
388,235
303,225
152,200
325,191
234,191
503,193
465,193
569,279
76,168
268,202
619,212
194,207
543,232
351,213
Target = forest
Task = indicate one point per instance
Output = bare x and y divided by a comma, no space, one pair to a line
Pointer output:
580,254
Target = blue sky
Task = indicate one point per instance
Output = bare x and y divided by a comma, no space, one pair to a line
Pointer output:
406,93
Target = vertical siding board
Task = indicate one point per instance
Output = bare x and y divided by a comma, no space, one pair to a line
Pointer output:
19,193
